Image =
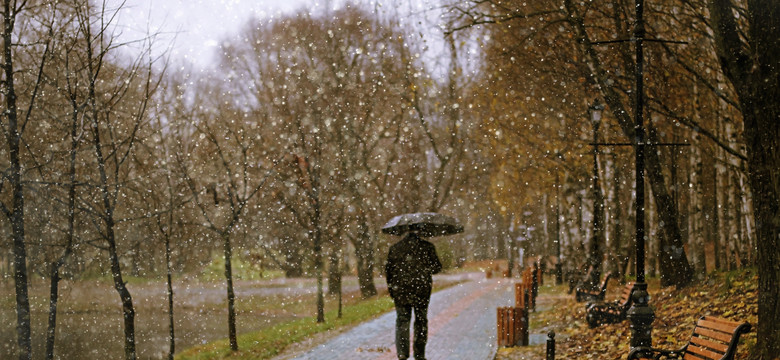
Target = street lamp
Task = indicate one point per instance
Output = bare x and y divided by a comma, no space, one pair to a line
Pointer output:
641,315
598,199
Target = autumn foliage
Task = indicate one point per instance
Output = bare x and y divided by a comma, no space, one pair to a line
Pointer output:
730,295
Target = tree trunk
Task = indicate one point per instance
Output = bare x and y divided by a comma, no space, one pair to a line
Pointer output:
696,223
55,267
723,207
16,213
510,257
732,206
716,223
364,252
596,252
334,271
231,295
128,311
696,210
293,260
501,247
317,234
673,264
611,220
629,249
739,236
171,328
755,75
546,238
748,220
54,279
617,221
765,160
580,231
653,238
558,239
335,274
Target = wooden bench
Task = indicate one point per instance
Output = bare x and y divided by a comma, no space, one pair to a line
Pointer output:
599,313
584,294
712,339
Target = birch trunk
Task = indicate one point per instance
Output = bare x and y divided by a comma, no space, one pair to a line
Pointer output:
696,222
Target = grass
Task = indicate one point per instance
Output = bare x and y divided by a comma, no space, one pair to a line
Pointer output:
269,342
243,269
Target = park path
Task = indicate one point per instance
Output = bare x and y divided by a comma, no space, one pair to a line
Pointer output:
461,325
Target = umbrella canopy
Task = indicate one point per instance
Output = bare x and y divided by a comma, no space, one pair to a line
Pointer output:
427,223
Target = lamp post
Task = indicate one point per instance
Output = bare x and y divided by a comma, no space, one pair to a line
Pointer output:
595,254
640,314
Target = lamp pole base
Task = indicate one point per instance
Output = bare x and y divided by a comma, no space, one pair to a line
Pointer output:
641,316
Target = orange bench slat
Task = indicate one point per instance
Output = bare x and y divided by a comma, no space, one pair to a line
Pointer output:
718,335
705,353
719,346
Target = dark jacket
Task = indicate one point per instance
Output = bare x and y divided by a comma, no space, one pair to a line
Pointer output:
410,264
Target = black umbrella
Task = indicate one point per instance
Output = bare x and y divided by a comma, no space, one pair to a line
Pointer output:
427,223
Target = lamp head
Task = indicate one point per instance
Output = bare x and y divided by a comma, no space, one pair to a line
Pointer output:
595,112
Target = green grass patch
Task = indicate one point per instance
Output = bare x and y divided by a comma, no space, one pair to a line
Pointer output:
242,270
270,342
267,343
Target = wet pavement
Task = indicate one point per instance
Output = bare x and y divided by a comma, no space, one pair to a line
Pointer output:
461,325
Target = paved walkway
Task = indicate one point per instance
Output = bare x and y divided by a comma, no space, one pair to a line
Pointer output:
461,325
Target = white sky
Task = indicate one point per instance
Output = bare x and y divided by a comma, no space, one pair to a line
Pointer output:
191,30
194,27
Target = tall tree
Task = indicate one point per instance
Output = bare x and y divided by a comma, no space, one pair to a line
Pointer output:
224,166
14,121
747,42
331,94
75,132
166,202
536,32
115,98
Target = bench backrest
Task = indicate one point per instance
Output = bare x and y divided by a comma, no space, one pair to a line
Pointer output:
603,289
625,296
715,339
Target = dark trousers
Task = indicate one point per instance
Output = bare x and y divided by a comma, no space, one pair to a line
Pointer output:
402,322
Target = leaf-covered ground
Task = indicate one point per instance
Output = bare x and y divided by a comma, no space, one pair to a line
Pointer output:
729,295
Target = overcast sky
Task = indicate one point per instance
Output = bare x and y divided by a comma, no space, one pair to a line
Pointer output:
197,25
191,30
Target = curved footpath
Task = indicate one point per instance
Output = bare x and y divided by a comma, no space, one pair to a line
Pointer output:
461,325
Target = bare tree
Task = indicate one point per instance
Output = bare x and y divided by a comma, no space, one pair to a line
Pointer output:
331,95
225,160
75,134
14,121
28,38
114,99
166,202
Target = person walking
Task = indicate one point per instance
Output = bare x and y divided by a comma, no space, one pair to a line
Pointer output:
410,265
